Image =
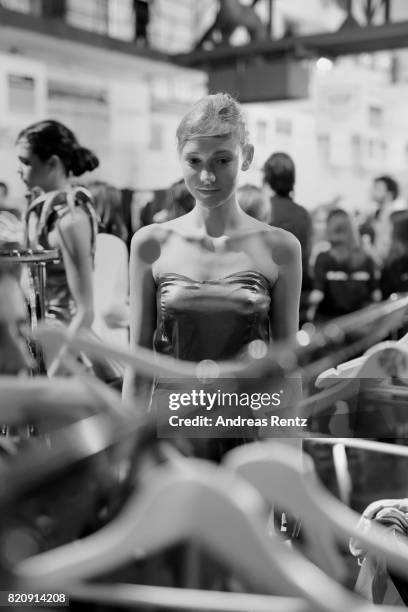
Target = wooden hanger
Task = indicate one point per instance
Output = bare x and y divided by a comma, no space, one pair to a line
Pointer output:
133,595
367,366
195,500
39,462
145,361
375,368
65,399
277,473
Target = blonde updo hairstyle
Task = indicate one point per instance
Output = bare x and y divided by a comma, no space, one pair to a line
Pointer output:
215,115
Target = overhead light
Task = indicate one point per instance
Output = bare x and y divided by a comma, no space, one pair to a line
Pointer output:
324,64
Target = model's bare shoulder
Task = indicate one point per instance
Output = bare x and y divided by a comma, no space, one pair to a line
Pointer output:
285,247
147,242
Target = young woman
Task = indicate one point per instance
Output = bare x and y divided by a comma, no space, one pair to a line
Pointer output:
206,284
345,276
60,217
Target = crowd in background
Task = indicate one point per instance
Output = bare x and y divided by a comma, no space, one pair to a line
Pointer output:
349,259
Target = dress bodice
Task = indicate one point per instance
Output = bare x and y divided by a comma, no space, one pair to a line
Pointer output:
212,319
43,217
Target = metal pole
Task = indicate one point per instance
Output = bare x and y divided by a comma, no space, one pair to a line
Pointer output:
369,13
270,18
387,10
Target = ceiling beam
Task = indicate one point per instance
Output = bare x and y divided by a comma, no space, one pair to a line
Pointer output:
347,41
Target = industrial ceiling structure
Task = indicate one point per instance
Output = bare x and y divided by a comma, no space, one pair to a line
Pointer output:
264,69
270,69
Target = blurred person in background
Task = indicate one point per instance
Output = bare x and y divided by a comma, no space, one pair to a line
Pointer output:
150,204
111,289
11,227
139,200
394,276
254,202
377,229
279,175
345,277
14,352
320,242
179,200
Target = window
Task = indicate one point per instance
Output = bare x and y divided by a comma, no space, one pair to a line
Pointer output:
156,137
261,130
21,94
92,15
375,116
371,148
323,146
356,150
283,126
22,6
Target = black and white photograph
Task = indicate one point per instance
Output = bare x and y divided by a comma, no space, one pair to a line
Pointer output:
204,305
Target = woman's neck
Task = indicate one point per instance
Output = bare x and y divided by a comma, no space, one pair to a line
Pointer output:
60,184
217,221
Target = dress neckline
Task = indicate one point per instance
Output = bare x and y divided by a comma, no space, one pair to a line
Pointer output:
210,281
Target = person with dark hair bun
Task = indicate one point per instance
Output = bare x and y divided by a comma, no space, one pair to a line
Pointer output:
60,216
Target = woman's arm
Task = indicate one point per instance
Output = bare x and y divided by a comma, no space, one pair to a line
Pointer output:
73,238
284,319
284,312
144,250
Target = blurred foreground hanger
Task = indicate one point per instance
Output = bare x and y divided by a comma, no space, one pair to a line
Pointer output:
179,501
278,474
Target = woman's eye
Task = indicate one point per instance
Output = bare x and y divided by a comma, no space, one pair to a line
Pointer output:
223,160
193,161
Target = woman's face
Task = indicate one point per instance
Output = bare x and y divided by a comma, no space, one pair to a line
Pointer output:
211,165
33,172
339,231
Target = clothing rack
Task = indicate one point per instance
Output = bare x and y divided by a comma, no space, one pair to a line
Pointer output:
75,443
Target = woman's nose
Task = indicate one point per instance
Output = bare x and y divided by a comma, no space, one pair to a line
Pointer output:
207,176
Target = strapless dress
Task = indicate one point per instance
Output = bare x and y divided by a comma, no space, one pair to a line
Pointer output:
209,320
212,319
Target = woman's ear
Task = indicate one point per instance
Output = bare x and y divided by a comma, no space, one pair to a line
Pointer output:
54,162
248,155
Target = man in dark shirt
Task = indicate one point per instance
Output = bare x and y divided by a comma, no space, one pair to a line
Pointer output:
280,175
